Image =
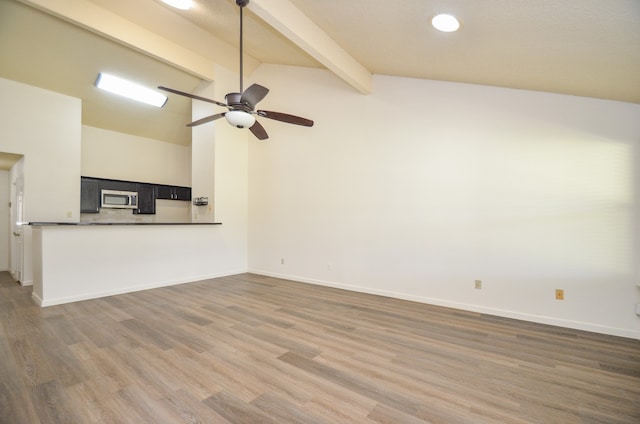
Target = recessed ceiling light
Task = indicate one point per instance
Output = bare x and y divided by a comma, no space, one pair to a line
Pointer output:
130,90
180,4
445,22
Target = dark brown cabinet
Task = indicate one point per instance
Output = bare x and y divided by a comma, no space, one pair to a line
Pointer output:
174,192
117,185
89,195
146,199
90,192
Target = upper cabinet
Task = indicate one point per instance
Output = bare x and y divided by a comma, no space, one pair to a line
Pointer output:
146,199
147,193
89,195
117,185
174,192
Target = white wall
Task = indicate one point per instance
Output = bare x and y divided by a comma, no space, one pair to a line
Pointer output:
422,187
120,156
203,148
44,127
220,168
4,220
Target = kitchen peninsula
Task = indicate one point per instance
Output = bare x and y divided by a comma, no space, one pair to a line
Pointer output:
85,260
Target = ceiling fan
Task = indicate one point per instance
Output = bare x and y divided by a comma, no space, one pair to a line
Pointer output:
241,106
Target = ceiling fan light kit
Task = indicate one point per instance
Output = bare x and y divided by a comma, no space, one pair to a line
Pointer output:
241,105
240,119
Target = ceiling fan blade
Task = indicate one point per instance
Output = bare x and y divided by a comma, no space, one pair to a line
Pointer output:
206,119
192,96
284,117
253,95
258,130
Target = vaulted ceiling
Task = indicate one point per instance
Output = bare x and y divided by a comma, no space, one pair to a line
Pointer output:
578,47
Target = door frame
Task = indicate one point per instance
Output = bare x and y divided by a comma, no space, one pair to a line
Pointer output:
16,216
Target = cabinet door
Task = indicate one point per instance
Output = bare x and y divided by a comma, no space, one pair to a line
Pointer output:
146,199
118,185
165,192
183,193
89,195
174,192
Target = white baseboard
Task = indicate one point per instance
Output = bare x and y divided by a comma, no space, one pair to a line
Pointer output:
36,298
541,319
131,289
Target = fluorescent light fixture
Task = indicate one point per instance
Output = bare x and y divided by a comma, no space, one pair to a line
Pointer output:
445,22
180,4
130,90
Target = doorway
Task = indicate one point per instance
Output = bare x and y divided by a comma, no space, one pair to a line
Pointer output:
5,220
11,214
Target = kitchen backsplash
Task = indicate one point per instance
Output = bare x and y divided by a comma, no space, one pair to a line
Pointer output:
166,211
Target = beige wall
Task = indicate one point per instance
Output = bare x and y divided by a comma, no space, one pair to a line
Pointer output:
44,127
119,156
422,187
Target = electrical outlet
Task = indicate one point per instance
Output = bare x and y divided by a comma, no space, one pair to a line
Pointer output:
328,267
281,261
478,284
559,294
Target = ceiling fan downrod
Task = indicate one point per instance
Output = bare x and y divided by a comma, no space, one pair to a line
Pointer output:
241,4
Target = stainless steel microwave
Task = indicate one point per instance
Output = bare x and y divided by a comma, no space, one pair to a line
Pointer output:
119,199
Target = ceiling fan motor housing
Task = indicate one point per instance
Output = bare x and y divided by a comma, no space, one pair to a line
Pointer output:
234,100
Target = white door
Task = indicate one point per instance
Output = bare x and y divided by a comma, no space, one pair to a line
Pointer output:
16,189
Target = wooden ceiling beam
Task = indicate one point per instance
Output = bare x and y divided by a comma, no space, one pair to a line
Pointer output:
108,24
297,27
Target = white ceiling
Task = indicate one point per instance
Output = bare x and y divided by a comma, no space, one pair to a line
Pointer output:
578,47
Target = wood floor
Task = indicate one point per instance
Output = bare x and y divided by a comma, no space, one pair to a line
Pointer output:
255,349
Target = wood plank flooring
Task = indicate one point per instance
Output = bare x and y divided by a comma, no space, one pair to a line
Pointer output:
255,349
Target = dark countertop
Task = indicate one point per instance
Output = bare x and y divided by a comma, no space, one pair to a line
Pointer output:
88,224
